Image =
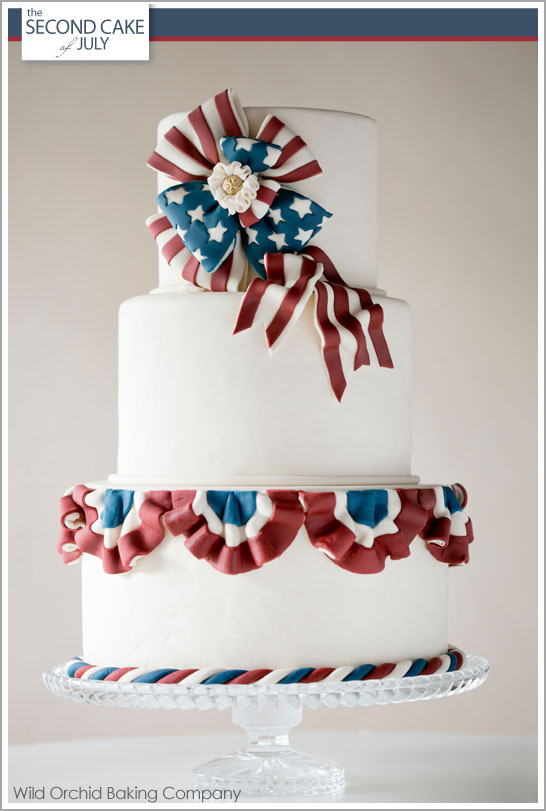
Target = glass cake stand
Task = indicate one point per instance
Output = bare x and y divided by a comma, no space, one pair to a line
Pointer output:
268,766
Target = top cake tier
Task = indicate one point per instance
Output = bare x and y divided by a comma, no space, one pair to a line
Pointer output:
345,145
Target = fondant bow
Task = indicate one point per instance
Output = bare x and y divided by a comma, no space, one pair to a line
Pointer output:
343,314
228,200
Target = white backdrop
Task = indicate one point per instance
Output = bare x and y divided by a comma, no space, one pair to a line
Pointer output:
457,239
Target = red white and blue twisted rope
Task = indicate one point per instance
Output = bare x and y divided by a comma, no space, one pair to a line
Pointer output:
453,660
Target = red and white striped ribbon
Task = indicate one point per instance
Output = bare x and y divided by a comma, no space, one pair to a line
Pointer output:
191,148
227,278
296,161
343,315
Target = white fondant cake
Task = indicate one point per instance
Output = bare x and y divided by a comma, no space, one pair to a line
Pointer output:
296,611
256,520
200,406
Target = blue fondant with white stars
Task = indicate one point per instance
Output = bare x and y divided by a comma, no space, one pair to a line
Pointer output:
258,155
208,231
283,229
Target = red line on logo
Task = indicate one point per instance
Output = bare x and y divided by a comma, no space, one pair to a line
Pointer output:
333,39
343,39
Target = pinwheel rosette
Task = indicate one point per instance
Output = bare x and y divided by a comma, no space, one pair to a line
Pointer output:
231,200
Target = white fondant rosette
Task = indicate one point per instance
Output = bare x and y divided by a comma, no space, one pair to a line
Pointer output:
232,197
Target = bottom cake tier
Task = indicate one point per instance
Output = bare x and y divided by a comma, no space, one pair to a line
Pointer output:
218,580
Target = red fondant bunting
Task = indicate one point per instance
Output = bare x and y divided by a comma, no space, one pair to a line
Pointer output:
140,541
446,534
453,548
339,542
270,542
455,551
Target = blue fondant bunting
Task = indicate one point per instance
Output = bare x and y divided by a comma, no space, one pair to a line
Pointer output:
117,504
451,500
233,506
368,507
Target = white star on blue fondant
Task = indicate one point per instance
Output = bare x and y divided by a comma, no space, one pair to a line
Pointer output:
303,236
278,239
217,232
301,206
175,195
284,227
194,217
252,236
199,256
244,143
276,215
209,232
197,214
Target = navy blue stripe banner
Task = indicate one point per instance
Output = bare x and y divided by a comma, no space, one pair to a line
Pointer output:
331,24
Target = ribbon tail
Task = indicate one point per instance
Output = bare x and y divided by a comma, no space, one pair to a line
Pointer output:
344,316
249,305
330,341
330,270
375,328
349,316
292,305
279,301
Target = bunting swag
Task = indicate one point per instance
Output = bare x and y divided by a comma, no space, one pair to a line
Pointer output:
238,531
235,532
342,313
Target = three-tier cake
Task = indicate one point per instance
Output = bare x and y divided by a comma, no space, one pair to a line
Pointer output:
263,523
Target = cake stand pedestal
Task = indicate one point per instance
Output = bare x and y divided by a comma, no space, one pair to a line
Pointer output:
268,766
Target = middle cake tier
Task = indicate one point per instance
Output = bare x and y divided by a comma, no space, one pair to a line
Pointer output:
200,405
